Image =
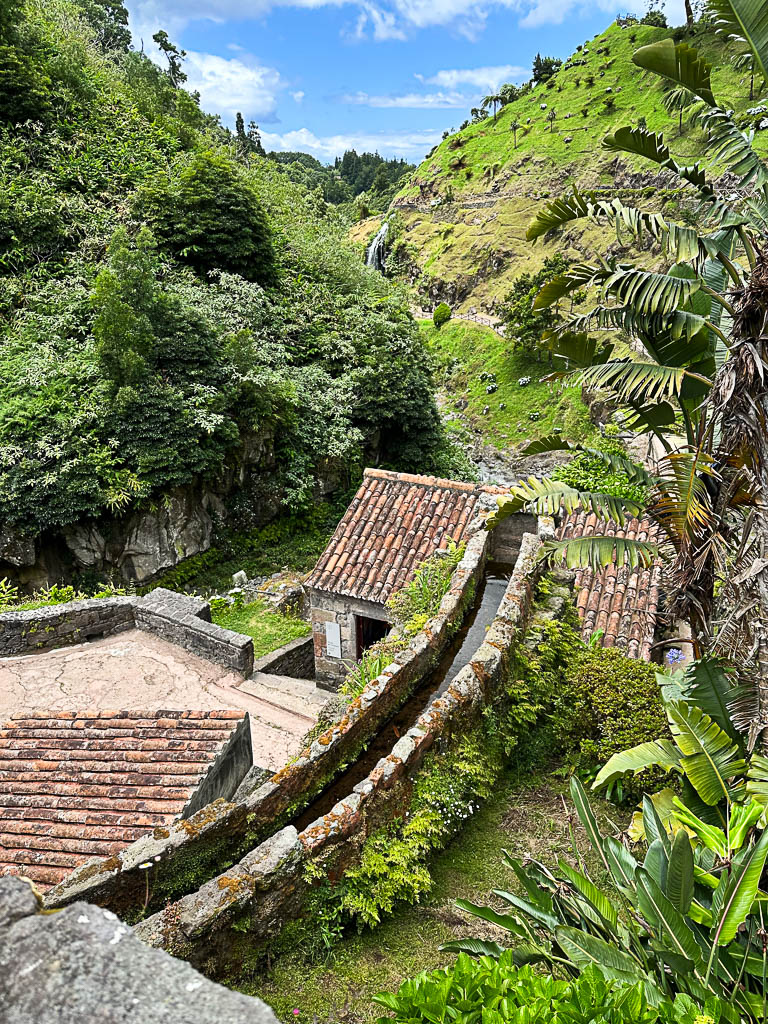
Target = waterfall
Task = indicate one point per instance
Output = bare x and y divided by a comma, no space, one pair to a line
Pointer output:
374,257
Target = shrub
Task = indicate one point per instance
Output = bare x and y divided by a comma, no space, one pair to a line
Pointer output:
492,990
588,472
606,703
210,217
441,315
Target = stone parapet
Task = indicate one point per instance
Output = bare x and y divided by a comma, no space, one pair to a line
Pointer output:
209,924
59,625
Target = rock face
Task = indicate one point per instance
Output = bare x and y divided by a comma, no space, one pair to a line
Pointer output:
82,965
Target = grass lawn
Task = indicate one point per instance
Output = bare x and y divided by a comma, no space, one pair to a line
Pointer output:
268,628
464,351
525,816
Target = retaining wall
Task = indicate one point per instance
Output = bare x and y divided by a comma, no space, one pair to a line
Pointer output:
178,618
234,913
296,659
58,625
187,852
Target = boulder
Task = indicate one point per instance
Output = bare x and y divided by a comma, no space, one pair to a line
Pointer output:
82,965
16,550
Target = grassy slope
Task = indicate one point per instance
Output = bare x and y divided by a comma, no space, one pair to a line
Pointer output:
478,240
465,350
525,817
268,628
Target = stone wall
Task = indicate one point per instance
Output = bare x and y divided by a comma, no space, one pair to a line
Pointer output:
296,659
222,831
224,776
83,965
253,900
186,622
325,608
178,618
62,624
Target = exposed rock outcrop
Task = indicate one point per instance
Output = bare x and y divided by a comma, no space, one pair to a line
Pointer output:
82,965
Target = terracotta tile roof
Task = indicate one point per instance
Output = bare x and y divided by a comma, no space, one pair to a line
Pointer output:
76,786
395,522
622,602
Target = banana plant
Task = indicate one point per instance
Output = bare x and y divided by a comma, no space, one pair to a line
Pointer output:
677,922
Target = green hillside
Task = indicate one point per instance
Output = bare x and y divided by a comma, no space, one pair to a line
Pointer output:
459,229
176,316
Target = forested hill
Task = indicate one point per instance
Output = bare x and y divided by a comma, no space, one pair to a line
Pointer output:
459,225
176,313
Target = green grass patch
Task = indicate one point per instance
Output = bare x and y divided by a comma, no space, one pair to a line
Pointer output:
465,351
525,815
269,629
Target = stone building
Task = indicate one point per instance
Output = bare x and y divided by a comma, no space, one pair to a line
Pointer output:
395,522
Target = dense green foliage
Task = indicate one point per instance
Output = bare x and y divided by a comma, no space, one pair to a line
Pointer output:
352,175
175,311
499,991
589,472
521,322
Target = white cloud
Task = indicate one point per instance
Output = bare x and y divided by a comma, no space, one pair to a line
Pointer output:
411,101
413,145
381,19
297,96
484,79
227,85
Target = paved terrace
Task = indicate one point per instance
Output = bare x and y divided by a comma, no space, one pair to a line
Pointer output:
138,671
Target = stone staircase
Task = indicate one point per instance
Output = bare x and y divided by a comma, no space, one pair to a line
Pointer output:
282,710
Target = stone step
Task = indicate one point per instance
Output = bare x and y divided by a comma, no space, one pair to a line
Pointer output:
299,696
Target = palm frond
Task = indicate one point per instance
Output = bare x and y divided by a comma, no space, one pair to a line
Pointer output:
651,146
747,21
546,497
557,443
636,381
650,292
595,552
733,149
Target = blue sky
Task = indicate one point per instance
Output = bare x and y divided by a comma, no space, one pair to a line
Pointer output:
323,76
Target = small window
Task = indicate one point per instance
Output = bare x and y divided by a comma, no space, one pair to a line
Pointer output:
368,632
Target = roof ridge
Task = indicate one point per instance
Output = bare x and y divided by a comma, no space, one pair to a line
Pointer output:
425,481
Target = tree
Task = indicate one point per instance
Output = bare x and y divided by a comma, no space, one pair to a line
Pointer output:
25,83
492,100
544,68
524,325
174,56
552,117
478,114
514,127
124,300
702,328
209,216
248,143
110,19
679,99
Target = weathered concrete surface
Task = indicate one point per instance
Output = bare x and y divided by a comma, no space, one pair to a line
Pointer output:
82,965
136,670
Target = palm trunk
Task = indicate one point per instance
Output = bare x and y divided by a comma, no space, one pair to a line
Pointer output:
739,402
688,14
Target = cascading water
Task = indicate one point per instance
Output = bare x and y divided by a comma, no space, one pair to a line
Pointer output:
374,257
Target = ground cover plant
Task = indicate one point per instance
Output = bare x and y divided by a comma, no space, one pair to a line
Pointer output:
269,629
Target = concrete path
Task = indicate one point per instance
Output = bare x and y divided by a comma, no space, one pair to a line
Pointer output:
139,671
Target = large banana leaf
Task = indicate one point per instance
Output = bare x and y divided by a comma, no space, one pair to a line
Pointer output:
681,64
667,920
710,758
743,885
706,683
747,20
595,552
640,382
589,891
653,754
650,292
585,949
757,779
732,148
679,887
